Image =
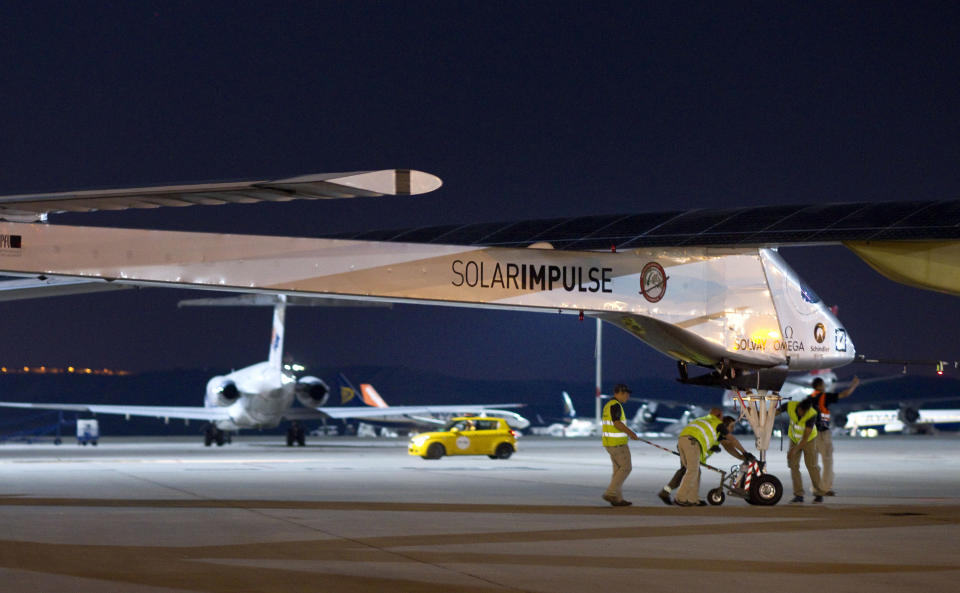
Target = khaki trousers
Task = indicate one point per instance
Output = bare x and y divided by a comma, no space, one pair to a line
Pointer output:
825,449
809,453
689,450
620,457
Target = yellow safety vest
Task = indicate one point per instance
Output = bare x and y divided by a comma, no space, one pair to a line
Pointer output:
613,436
704,430
798,425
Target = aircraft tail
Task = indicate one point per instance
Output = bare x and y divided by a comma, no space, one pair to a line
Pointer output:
276,339
568,411
371,397
347,391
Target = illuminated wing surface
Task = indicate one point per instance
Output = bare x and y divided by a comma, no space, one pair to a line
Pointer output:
178,412
28,207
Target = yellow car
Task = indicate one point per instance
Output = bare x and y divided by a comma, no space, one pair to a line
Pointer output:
467,436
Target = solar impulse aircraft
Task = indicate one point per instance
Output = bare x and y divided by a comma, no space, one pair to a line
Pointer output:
706,288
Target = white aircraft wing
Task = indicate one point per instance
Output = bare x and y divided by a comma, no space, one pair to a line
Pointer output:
28,207
44,286
178,412
369,412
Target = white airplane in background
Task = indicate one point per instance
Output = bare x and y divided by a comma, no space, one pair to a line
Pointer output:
415,422
571,426
869,423
707,288
260,396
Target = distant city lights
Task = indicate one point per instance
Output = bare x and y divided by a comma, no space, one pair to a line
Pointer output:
70,370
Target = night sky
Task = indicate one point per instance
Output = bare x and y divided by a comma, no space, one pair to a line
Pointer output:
525,110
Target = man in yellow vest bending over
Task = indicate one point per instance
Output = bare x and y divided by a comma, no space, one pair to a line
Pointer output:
615,434
803,433
697,441
703,434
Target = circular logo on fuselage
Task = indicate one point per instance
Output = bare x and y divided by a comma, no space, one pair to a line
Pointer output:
819,333
653,282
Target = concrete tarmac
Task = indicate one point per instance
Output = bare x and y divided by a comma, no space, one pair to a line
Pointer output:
346,514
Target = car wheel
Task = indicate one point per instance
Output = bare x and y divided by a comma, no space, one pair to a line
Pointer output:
435,451
504,451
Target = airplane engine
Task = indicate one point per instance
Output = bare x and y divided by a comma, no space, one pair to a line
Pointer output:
647,414
222,392
908,416
312,392
838,419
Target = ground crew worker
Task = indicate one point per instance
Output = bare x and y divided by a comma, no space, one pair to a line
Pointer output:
725,438
615,434
698,440
824,440
802,433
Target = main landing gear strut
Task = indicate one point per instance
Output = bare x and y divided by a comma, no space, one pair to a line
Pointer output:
212,435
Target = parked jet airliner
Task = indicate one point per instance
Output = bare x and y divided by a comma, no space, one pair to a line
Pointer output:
262,395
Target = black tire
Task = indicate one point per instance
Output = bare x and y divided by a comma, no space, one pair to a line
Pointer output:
716,496
207,439
492,456
766,490
57,441
94,443
435,451
504,451
219,438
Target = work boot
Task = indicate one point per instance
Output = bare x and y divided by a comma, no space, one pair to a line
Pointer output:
830,493
699,503
622,503
796,499
665,497
610,499
817,499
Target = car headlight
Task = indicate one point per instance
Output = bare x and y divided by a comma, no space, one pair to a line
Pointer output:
419,440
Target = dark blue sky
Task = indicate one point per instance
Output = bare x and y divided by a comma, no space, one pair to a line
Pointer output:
526,110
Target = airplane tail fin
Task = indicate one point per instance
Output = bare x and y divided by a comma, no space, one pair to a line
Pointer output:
347,391
276,339
371,397
568,411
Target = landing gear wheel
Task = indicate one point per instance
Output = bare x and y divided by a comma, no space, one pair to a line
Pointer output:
504,451
766,490
716,496
435,451
296,434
